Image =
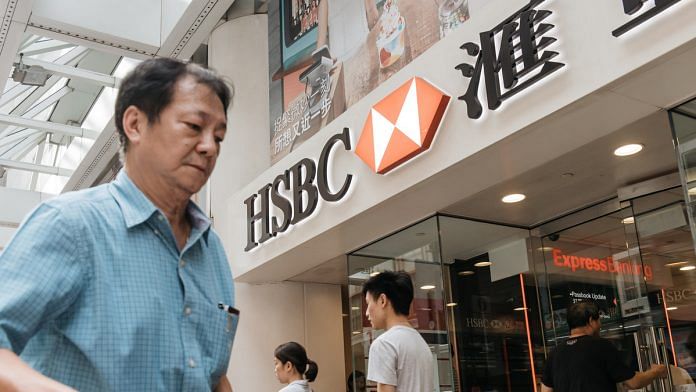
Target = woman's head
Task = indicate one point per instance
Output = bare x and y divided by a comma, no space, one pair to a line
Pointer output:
291,362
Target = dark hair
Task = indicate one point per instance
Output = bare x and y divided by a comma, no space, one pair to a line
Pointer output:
296,354
396,286
356,375
150,87
580,313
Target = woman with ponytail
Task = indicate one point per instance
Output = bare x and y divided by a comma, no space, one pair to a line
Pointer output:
292,367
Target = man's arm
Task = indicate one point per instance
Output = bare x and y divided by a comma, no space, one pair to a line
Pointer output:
41,277
15,375
385,388
642,379
223,385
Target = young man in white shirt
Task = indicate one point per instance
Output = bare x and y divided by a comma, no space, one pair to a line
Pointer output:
400,360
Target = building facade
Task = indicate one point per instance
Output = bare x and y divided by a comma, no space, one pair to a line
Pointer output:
523,97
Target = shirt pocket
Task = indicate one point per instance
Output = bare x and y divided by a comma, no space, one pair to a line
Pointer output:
217,330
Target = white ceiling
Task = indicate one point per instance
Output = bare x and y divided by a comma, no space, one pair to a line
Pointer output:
582,177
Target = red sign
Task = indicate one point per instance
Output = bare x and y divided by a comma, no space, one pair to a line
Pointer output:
606,265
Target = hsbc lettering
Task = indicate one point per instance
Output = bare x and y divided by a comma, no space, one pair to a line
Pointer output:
306,179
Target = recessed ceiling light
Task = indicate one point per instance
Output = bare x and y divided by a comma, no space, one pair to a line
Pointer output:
676,263
628,149
672,308
545,249
521,308
427,287
628,221
513,198
375,273
356,332
688,268
355,308
466,273
452,304
483,264
425,309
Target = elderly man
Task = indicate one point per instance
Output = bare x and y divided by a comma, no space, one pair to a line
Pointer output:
116,288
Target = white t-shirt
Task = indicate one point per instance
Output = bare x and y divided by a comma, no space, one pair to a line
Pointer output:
297,386
401,357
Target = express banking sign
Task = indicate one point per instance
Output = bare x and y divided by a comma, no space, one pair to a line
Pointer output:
399,127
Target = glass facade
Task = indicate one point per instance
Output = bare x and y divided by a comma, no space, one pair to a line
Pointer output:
471,305
491,299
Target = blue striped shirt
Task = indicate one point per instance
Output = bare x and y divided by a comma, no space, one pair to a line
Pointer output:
94,293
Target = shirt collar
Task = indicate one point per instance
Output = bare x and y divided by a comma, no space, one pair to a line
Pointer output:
137,208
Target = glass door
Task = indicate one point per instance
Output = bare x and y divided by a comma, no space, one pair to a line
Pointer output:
665,240
637,264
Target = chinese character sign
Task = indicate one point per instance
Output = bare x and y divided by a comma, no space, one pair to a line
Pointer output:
631,7
520,61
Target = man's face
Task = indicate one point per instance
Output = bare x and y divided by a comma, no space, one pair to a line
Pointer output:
376,310
181,148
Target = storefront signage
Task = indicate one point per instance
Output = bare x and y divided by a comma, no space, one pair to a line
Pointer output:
523,33
502,325
678,296
605,265
401,125
306,179
631,7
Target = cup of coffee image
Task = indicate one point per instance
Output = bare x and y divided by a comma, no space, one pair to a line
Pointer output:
390,43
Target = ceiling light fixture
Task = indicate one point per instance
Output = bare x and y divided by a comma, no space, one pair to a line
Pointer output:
676,263
628,221
521,308
30,75
427,287
688,268
482,264
545,249
672,308
375,273
355,308
466,273
451,304
628,149
514,198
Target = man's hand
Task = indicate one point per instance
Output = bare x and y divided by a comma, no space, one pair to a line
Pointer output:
642,379
223,385
16,376
660,371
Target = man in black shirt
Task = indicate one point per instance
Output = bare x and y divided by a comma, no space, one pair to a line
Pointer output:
588,363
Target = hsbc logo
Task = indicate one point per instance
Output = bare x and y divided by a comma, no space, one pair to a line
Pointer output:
401,125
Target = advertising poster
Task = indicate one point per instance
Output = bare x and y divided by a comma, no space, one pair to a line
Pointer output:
331,53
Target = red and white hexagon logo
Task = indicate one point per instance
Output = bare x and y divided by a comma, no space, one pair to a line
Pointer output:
402,125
